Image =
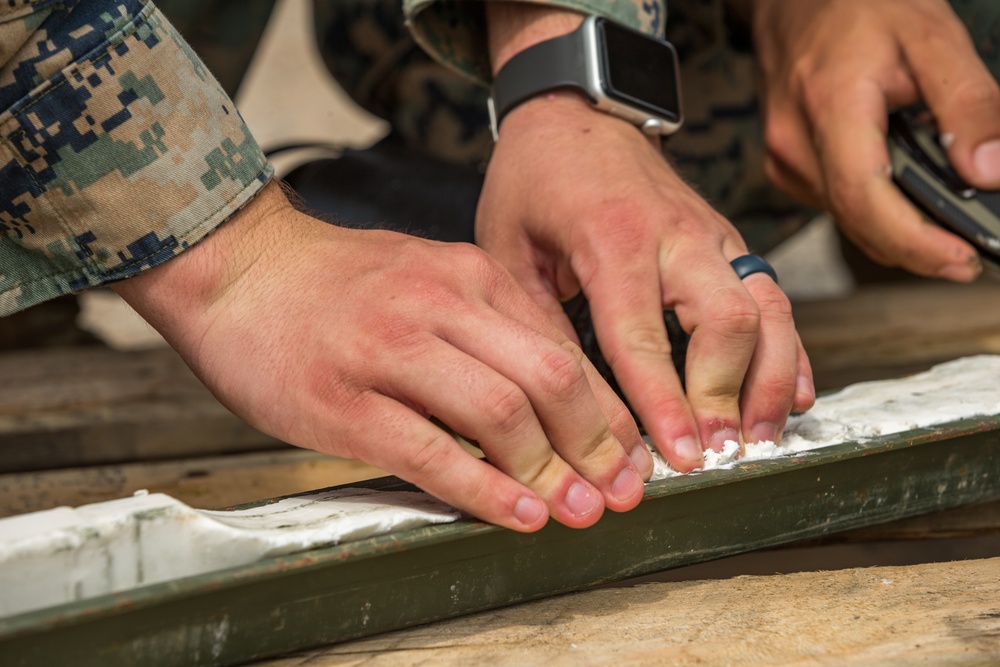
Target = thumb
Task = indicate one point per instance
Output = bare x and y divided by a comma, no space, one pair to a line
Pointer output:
965,99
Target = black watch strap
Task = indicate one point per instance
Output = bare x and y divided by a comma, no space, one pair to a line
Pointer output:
556,63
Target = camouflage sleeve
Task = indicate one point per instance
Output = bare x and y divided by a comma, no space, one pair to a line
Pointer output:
118,148
454,31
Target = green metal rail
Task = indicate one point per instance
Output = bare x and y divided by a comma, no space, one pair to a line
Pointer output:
395,581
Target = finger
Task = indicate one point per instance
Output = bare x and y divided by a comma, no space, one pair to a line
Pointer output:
770,386
869,207
490,409
557,390
962,94
404,443
805,387
724,330
520,309
791,162
542,294
627,309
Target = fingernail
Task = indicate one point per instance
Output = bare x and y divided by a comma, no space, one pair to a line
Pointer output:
986,160
581,500
805,387
626,485
719,438
528,510
764,432
688,448
641,458
962,273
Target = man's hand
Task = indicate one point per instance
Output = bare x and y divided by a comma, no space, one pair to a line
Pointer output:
577,199
831,70
349,342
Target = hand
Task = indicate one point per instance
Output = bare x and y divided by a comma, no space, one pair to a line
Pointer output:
831,70
577,199
348,341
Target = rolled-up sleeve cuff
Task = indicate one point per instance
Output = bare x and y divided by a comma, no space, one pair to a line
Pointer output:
454,31
116,163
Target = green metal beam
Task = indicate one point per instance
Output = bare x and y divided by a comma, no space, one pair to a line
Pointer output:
395,581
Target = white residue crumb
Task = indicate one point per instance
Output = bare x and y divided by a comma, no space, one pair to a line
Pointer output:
952,391
722,460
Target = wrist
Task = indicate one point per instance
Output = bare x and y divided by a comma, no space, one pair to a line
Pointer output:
179,297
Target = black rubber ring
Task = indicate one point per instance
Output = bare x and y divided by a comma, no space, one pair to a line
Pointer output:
750,264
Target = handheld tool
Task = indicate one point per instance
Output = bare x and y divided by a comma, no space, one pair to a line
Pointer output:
921,170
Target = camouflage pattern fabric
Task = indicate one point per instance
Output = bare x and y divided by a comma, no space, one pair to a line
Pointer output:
373,56
453,31
104,104
437,110
224,33
118,149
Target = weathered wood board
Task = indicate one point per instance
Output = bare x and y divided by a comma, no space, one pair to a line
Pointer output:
386,583
118,413
895,329
929,614
67,407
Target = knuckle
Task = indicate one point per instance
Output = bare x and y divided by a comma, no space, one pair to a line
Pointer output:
429,458
507,409
561,374
736,313
975,94
473,259
779,390
645,340
670,409
622,423
774,306
542,473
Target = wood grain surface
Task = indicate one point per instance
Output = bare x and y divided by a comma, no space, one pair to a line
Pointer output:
932,614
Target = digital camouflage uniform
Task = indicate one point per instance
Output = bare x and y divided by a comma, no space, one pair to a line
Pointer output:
720,150
369,50
120,149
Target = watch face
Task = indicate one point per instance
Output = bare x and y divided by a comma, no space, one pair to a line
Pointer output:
639,70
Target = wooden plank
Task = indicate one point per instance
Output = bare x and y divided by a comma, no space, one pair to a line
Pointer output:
91,406
73,407
895,329
204,482
386,583
931,614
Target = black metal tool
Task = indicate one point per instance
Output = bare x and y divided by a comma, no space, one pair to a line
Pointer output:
921,170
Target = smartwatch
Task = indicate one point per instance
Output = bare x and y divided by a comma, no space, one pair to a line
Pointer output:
621,71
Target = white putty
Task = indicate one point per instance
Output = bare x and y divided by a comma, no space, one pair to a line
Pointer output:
960,389
61,555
